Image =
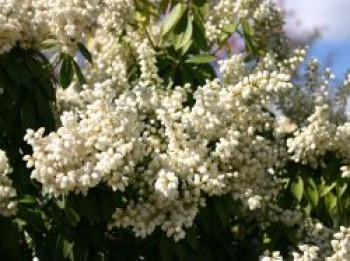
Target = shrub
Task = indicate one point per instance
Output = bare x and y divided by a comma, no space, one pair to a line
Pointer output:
130,139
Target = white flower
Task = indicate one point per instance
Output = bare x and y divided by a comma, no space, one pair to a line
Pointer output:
167,183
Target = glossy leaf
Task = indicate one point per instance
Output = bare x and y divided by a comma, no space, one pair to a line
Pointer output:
85,52
312,192
172,18
66,72
184,38
330,202
297,188
78,72
201,58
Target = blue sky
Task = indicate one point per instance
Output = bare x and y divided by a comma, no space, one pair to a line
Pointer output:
332,17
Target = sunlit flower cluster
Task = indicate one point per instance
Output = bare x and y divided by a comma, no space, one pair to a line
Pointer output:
7,192
35,22
173,147
264,18
173,156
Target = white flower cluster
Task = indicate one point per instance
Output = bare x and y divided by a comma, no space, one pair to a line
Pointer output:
345,171
340,245
7,192
144,138
21,23
264,17
341,100
271,256
314,140
311,90
336,249
268,26
320,136
100,145
31,22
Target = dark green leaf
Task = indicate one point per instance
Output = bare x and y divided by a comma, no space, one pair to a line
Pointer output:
220,210
9,240
85,52
182,251
66,72
44,110
166,248
17,71
72,216
28,113
27,199
81,247
199,36
78,72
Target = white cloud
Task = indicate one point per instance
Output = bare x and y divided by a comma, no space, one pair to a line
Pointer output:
332,17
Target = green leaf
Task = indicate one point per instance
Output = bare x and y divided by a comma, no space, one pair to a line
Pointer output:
325,189
330,202
72,216
297,188
340,189
312,192
201,58
247,28
186,47
85,52
203,8
65,246
184,38
307,208
199,3
33,218
199,35
78,72
231,28
49,43
172,18
66,72
27,199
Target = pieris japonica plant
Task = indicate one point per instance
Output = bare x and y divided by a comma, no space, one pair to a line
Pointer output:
124,136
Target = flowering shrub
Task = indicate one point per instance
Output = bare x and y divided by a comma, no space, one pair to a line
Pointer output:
129,139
